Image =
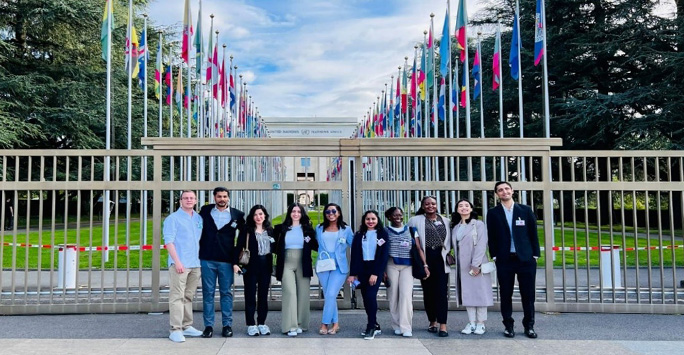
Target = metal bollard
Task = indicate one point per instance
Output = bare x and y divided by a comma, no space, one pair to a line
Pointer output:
607,270
66,269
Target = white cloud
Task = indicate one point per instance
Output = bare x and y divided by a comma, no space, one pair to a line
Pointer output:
317,58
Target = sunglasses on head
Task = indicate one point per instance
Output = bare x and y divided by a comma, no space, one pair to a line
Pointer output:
333,211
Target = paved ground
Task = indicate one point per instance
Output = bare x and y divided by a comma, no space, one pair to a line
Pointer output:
567,333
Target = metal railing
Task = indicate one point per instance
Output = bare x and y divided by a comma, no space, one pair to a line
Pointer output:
628,202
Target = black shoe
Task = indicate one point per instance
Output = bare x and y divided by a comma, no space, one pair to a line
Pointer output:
208,332
227,332
443,334
509,332
432,329
530,333
376,330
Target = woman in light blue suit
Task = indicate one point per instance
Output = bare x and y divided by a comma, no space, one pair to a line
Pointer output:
334,238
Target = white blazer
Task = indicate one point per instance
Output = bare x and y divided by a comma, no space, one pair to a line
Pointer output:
418,222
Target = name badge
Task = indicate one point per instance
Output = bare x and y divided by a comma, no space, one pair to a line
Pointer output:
405,244
271,240
437,223
381,242
307,239
342,240
234,224
520,222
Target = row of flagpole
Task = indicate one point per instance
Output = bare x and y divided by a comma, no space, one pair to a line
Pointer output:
221,111
401,115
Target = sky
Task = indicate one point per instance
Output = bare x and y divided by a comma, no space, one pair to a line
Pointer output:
306,58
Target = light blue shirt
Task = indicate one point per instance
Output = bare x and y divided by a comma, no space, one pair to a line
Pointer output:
369,244
330,241
184,232
509,219
294,238
221,218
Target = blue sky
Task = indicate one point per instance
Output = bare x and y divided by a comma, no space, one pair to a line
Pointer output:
315,58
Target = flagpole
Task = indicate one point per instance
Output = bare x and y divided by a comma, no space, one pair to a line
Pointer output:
172,158
161,82
426,102
479,79
545,76
520,100
501,113
130,115
144,164
108,129
434,80
451,106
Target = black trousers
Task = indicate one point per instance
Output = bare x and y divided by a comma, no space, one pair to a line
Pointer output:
526,271
257,279
435,288
370,296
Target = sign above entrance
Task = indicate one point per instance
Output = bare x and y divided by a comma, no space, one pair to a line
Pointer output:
311,127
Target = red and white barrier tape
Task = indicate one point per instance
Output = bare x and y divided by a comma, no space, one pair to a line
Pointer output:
149,247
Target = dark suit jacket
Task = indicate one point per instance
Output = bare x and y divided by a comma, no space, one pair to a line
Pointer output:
219,244
525,236
377,267
279,233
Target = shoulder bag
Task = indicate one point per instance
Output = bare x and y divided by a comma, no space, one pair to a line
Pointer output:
243,259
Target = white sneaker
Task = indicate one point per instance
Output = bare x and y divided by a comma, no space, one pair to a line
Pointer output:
292,333
469,329
299,330
176,336
479,329
397,332
191,332
252,330
407,334
263,329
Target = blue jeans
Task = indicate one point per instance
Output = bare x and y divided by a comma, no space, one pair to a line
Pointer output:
210,271
331,281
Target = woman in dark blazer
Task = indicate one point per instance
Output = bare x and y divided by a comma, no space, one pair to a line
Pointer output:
369,254
257,235
295,240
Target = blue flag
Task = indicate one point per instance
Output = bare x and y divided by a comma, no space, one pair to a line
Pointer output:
513,59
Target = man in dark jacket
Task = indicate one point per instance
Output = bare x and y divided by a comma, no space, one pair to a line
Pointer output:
218,258
514,245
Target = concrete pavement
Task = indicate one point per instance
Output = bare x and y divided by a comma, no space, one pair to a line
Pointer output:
566,333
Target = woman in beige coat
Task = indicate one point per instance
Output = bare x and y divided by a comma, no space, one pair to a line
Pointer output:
469,235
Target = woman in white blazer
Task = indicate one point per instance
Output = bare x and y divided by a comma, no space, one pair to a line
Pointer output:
435,242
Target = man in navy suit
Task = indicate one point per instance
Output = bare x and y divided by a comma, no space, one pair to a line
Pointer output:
218,258
514,246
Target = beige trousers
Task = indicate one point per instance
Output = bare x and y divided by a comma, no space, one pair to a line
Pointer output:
400,295
296,311
477,314
182,288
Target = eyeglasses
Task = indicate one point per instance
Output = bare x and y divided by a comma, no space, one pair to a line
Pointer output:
333,211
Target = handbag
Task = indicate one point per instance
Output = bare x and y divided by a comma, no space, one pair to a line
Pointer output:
450,259
488,267
417,268
243,259
323,265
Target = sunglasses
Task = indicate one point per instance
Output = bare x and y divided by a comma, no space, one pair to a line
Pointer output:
330,211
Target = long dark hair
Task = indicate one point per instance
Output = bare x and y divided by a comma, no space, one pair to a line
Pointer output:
304,221
456,217
363,228
250,217
340,219
422,201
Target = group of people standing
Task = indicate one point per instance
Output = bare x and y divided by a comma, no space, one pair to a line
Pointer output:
204,247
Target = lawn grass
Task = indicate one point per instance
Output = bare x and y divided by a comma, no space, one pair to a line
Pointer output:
35,258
